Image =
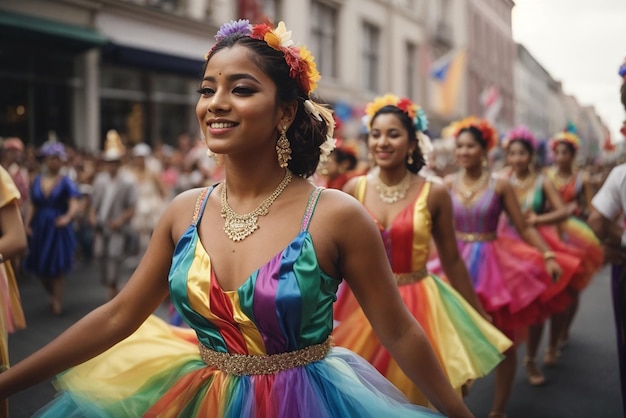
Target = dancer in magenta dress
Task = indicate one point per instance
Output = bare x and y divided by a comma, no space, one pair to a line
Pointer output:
254,264
543,208
511,278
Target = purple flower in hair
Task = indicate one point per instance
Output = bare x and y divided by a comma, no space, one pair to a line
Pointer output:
521,133
56,149
241,26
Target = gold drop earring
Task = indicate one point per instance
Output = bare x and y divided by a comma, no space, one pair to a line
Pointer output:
283,148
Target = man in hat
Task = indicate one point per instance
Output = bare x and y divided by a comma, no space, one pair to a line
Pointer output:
114,199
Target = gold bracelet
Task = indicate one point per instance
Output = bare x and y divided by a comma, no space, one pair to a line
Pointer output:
549,255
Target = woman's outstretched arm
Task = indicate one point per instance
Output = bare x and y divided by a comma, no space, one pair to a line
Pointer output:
111,322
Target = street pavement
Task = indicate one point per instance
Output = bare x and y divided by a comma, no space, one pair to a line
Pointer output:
584,384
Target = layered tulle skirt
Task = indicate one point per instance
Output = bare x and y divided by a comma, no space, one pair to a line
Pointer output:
512,284
157,372
558,294
577,234
466,345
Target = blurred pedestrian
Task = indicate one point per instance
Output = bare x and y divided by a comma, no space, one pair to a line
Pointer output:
12,243
113,208
607,220
51,239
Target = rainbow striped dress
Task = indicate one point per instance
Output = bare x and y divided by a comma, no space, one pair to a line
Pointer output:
466,345
260,351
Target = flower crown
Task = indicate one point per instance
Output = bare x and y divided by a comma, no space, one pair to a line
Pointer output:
50,149
566,137
301,62
488,132
521,133
413,111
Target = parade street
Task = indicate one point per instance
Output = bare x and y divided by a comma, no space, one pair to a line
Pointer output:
584,384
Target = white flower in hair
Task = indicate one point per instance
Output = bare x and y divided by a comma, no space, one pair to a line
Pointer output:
311,110
327,147
424,143
284,35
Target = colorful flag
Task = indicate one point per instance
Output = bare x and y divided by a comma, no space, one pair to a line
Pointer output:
447,75
491,100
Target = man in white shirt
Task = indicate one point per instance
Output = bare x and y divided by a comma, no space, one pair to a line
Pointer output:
607,219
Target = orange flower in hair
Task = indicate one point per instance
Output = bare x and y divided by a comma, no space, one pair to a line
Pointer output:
487,132
567,138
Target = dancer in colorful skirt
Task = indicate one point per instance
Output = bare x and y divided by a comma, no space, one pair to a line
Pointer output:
12,243
535,193
575,190
509,276
254,264
409,211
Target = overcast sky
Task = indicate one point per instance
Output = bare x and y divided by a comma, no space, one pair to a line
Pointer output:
582,44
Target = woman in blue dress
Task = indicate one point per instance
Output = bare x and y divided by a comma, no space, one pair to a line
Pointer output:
51,240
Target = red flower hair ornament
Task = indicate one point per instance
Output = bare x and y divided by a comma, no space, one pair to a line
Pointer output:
487,131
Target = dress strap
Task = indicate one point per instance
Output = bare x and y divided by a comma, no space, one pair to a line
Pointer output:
359,191
310,207
201,201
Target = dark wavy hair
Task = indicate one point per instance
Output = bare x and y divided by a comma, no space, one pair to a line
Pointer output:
418,158
306,133
529,148
477,134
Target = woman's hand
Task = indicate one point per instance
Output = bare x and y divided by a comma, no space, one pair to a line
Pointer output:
553,269
62,221
531,218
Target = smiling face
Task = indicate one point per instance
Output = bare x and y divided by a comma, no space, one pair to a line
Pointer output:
563,156
518,157
468,152
237,108
388,141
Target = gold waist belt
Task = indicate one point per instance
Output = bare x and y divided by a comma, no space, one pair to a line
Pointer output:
476,236
245,364
409,278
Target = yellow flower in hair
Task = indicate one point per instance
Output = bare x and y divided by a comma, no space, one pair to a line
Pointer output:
312,75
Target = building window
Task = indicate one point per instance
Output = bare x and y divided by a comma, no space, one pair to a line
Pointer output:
324,38
371,58
146,106
411,70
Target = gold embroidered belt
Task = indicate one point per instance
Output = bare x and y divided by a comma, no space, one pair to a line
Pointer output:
245,364
410,278
476,236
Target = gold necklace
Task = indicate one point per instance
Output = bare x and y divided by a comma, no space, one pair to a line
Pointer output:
392,194
560,181
521,184
468,192
238,227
